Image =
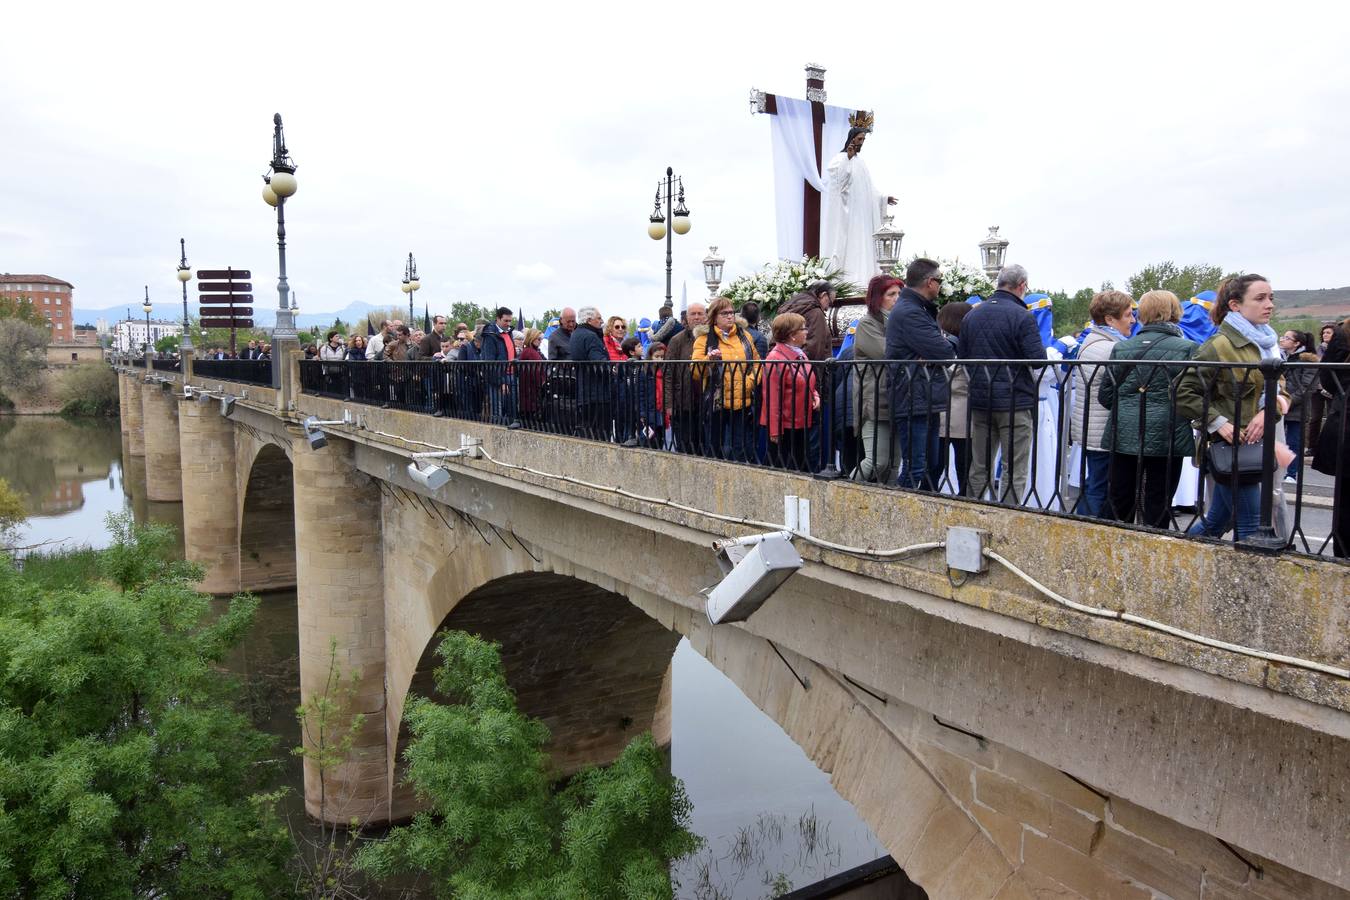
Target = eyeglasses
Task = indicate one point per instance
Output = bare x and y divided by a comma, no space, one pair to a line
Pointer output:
618,327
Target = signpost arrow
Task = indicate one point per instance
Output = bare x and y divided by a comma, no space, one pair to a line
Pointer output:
225,274
227,323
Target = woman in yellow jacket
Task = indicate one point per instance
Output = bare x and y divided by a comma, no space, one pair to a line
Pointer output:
727,369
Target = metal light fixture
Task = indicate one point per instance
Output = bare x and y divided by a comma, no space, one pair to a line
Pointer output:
993,252
712,270
753,568
227,404
887,239
680,224
147,306
184,276
411,284
433,478
312,425
672,221
278,184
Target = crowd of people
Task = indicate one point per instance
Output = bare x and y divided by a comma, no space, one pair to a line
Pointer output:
923,398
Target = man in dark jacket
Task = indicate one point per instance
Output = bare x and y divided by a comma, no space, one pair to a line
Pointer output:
811,304
1002,398
919,392
587,349
682,393
561,340
500,347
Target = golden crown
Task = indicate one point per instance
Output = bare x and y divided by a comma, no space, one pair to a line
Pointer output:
861,119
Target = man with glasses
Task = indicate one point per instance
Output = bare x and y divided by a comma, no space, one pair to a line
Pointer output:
1002,399
919,393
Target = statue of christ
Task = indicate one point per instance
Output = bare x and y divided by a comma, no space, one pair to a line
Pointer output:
852,211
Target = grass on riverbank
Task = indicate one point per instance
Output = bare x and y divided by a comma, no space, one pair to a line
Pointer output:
63,569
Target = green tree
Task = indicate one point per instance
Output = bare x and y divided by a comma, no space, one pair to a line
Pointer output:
495,828
88,389
23,309
12,513
167,344
1184,281
125,770
468,313
23,354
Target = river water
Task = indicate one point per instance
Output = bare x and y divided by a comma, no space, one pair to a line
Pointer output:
769,817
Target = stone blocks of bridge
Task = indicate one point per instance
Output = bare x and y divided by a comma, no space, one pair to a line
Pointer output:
210,494
163,472
133,413
340,588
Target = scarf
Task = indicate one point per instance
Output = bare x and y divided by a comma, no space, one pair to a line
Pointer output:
1113,332
1263,336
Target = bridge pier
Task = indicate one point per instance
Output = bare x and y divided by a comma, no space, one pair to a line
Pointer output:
133,414
122,404
210,494
163,472
340,589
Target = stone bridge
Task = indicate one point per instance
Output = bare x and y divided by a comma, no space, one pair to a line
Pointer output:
998,744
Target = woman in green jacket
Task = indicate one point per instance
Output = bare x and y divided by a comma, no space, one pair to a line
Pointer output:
1148,439
1229,404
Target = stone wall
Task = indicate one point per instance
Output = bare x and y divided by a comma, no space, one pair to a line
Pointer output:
267,523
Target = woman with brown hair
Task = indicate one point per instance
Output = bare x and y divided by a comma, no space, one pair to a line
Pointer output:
870,383
1229,403
728,380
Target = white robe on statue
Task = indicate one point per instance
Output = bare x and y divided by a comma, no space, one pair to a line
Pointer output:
850,214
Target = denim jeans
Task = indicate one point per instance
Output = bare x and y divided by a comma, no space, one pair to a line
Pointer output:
919,438
1092,501
1293,436
1219,513
503,399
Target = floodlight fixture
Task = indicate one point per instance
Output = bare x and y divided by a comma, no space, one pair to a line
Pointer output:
753,568
433,478
227,404
317,439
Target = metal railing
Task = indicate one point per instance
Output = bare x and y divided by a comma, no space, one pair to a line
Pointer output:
248,371
167,365
993,431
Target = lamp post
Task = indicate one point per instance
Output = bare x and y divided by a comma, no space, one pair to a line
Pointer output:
993,251
145,353
184,276
410,285
278,184
674,220
712,270
888,239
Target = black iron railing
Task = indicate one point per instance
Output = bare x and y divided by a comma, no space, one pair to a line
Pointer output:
248,371
1112,440
167,365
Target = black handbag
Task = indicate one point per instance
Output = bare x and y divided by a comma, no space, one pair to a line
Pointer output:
1224,458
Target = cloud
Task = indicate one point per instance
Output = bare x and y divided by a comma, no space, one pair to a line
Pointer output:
535,273
635,272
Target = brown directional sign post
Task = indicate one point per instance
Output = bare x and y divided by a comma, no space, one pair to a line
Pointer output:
223,293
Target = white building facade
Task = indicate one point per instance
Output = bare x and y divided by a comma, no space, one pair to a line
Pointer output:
130,334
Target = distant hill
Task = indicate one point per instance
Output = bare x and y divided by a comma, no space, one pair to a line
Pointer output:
265,316
1324,303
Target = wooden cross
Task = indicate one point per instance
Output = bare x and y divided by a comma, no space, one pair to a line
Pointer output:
761,102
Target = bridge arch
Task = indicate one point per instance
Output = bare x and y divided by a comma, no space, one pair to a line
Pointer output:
267,521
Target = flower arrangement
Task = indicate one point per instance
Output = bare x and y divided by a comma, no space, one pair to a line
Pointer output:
777,282
959,280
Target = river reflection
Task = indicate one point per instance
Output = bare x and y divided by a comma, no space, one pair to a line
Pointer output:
770,818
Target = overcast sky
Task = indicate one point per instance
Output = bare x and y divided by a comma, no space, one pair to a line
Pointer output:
515,150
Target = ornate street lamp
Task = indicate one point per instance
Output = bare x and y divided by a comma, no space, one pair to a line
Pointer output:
994,252
712,270
410,285
184,276
673,220
145,353
888,239
278,184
